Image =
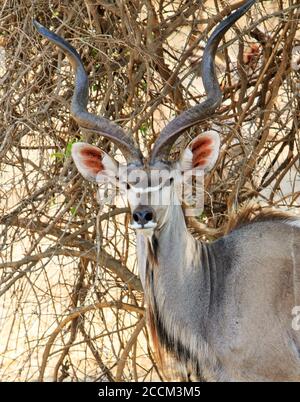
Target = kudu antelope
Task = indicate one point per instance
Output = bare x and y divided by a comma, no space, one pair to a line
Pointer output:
223,309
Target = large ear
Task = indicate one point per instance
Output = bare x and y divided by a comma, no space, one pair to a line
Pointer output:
201,153
92,162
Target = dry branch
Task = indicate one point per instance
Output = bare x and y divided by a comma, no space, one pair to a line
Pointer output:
70,297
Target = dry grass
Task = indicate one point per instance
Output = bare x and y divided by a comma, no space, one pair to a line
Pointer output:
71,303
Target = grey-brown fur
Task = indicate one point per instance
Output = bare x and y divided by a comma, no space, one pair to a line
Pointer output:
225,308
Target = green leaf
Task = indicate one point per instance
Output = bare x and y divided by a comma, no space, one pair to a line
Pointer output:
73,210
203,216
64,155
94,53
95,87
69,149
58,155
144,128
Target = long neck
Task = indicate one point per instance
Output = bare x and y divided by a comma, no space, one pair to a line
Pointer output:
176,273
167,251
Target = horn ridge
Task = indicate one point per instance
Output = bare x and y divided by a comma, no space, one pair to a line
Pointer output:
89,121
199,112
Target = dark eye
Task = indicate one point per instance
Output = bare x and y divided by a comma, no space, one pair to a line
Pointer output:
128,186
169,182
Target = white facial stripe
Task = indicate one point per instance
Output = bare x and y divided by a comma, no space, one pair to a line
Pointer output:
146,190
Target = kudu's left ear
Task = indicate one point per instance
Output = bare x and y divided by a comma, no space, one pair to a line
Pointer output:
93,163
201,153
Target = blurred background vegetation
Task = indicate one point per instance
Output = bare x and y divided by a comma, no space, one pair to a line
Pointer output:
71,302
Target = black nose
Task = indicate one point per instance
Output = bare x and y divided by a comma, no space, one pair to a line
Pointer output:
143,215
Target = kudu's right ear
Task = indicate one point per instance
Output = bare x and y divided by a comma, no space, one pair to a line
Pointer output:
93,163
201,153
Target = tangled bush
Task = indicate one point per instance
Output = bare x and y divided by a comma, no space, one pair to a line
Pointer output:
71,306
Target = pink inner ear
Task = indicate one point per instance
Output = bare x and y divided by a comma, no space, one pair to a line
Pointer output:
201,149
92,158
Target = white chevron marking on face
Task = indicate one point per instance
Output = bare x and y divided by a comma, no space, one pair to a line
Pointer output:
147,189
